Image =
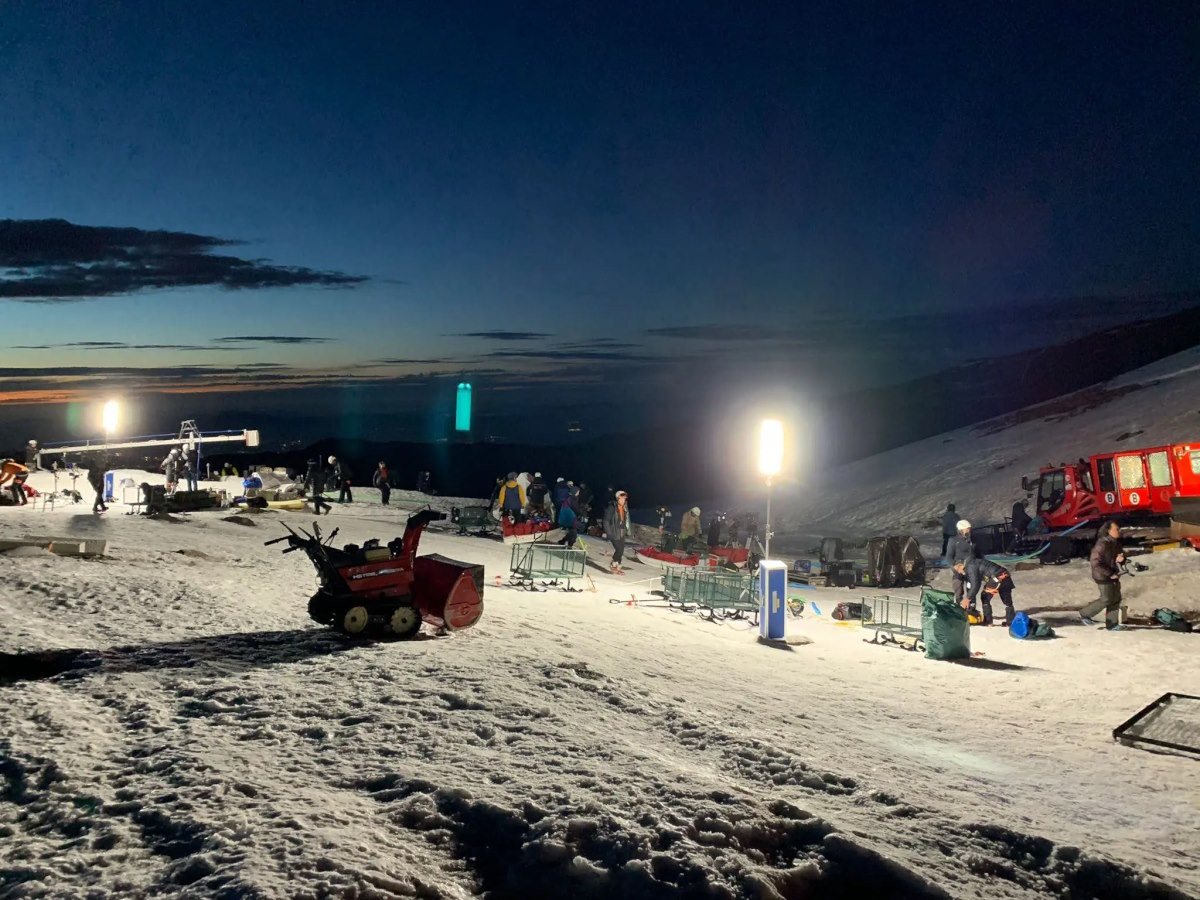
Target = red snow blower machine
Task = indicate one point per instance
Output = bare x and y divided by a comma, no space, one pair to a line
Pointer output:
374,591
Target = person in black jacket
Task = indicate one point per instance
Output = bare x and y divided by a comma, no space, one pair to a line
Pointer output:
536,495
949,526
617,526
986,577
961,549
382,482
1106,560
1021,518
341,474
97,469
314,486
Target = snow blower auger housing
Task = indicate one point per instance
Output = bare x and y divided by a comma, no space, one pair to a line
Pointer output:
374,591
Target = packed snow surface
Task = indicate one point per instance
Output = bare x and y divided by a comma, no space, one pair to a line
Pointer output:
171,722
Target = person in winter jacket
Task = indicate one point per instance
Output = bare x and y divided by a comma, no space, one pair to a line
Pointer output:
689,524
536,495
568,519
1106,560
512,498
314,486
984,576
1021,518
562,491
380,480
97,469
13,471
341,475
949,526
961,549
170,466
187,461
583,503
618,527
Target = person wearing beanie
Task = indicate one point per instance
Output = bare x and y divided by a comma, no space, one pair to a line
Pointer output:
961,550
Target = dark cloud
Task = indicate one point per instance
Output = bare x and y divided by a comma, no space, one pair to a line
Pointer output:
146,371
565,354
270,339
504,335
598,344
721,332
115,345
55,261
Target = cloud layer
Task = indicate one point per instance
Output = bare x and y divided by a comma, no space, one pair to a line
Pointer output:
55,261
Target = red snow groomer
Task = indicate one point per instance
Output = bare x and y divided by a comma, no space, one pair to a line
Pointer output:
389,590
1127,485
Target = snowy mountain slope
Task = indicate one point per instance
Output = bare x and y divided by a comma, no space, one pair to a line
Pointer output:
204,738
980,468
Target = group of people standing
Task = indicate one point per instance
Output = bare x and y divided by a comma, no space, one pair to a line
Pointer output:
524,496
180,464
974,574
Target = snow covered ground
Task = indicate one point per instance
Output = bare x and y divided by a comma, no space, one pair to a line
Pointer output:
171,723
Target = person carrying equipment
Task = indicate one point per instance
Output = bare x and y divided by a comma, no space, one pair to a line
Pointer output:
16,473
170,466
986,577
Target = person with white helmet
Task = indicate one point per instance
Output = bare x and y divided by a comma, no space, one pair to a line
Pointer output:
961,550
341,474
170,466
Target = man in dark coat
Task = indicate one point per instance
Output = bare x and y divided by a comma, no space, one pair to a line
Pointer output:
1020,518
618,527
583,503
382,482
341,474
1106,561
949,527
314,486
961,549
97,469
986,577
536,495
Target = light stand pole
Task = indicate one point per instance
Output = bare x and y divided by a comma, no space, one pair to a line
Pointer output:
767,548
770,462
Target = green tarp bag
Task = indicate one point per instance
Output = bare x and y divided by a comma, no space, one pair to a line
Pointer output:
944,626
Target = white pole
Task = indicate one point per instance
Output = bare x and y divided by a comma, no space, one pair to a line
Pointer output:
767,549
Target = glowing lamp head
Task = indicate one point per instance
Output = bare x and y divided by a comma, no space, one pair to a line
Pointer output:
770,448
108,416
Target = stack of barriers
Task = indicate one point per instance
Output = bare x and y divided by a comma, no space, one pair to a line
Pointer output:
895,621
551,564
715,593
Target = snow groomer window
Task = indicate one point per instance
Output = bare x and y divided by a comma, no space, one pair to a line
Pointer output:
1160,469
1130,472
1196,462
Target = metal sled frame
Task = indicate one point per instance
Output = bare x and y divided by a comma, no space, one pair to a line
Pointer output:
895,621
714,593
550,564
1152,712
479,518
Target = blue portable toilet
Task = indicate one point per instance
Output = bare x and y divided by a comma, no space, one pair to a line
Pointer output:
108,487
772,591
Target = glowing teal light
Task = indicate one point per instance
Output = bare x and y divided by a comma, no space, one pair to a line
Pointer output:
462,410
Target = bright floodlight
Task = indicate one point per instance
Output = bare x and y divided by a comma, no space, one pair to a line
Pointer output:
109,417
770,448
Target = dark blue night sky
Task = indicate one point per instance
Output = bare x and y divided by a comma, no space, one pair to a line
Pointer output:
576,205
